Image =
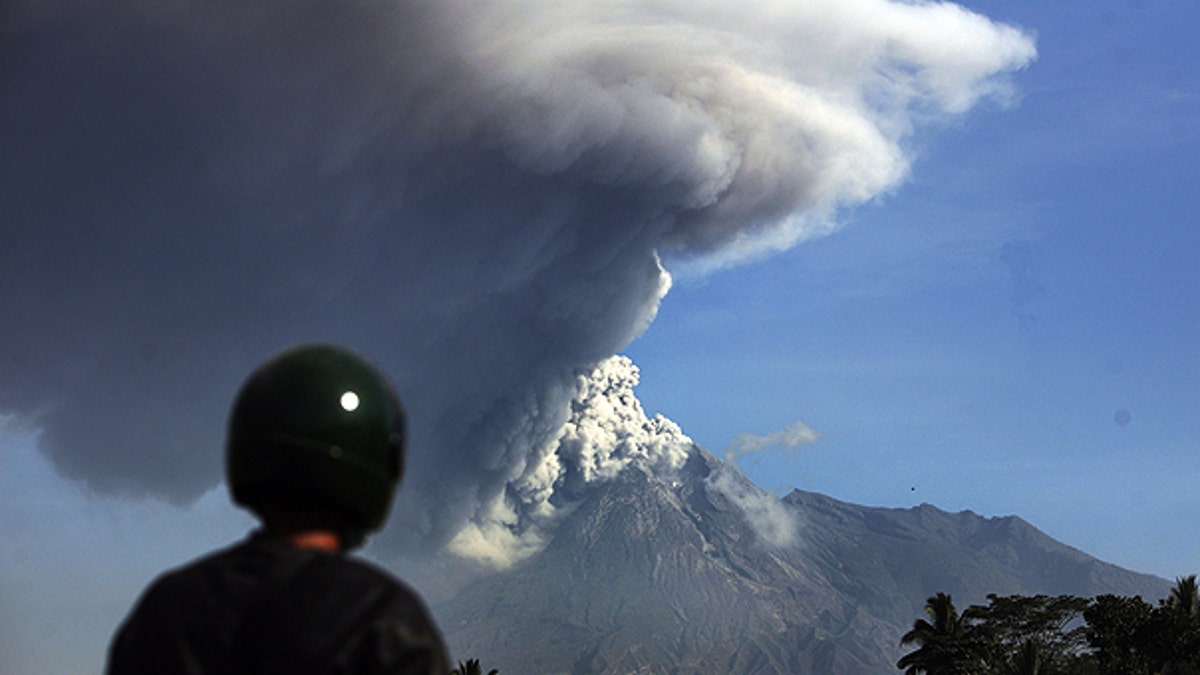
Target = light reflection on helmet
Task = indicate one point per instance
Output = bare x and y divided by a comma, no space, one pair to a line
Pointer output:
317,429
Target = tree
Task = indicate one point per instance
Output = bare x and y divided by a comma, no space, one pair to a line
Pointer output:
946,643
1042,635
1029,659
1184,598
1116,628
1173,633
471,667
1033,634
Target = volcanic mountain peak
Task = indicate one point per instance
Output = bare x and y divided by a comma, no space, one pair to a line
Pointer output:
660,558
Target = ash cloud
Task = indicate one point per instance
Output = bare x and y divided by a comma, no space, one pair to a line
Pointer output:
480,197
766,515
607,433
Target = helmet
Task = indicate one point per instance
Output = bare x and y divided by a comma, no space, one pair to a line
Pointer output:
318,429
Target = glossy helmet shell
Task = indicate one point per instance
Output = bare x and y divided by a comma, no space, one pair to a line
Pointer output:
320,429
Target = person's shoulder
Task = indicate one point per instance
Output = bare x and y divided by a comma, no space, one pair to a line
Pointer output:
390,619
197,565
192,603
357,571
372,589
226,569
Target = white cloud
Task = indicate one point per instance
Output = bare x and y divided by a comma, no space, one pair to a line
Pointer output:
796,435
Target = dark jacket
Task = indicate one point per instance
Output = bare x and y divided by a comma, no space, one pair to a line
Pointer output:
265,607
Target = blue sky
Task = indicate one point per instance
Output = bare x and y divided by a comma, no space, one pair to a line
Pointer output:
971,339
1011,330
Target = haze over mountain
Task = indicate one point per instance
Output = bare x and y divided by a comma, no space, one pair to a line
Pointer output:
659,557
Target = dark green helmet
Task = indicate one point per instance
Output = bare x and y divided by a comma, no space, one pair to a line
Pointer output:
317,429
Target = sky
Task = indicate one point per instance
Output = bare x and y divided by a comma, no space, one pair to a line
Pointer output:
891,253
1014,330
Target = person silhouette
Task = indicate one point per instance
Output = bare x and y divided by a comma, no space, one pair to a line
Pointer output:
315,449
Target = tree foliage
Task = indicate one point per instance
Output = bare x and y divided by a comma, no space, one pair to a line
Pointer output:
947,643
1040,634
471,667
1116,628
1059,635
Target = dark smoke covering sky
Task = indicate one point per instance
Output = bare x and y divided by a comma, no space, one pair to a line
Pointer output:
481,196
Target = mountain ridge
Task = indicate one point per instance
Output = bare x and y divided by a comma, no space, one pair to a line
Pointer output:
655,556
668,576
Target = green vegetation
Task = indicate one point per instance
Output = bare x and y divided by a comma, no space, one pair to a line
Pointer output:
948,643
1043,635
471,667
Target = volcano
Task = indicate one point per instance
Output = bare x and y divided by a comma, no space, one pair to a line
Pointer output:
697,570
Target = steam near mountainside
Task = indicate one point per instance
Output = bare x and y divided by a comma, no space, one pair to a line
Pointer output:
661,558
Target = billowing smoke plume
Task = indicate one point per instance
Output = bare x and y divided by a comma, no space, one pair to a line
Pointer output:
476,194
607,433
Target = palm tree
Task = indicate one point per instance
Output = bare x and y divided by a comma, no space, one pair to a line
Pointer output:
946,643
1181,628
471,667
1185,597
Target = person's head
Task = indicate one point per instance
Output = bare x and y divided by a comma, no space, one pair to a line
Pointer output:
316,440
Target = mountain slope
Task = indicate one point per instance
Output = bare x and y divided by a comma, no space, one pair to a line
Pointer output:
654,556
671,576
